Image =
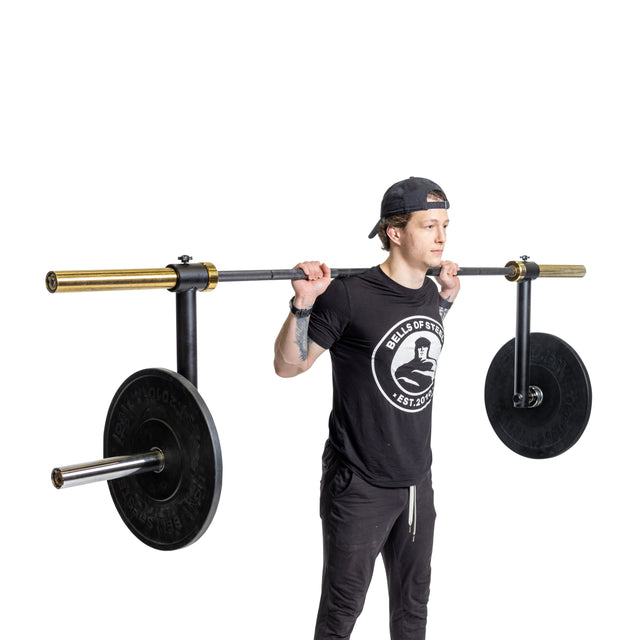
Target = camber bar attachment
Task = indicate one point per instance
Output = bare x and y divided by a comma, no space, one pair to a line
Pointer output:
170,278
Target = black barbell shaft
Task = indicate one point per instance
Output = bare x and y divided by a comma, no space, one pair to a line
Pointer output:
278,274
298,274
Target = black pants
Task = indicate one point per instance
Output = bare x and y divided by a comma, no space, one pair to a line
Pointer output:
360,521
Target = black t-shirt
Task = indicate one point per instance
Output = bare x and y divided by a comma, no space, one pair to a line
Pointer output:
384,341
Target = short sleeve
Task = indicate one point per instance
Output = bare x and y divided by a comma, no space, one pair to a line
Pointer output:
330,315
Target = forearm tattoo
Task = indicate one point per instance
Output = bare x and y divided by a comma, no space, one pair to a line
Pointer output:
442,309
302,338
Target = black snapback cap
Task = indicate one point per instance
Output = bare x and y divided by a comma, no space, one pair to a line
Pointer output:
407,196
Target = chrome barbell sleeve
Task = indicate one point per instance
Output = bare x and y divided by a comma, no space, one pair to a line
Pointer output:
107,469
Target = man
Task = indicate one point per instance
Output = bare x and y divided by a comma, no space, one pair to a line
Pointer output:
384,331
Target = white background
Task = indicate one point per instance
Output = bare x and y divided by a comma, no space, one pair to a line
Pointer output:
257,134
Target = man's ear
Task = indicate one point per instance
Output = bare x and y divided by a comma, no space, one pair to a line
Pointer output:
394,234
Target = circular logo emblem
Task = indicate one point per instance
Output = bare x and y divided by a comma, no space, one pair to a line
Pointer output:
404,362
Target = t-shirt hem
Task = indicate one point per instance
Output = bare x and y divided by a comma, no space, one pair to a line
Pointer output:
389,484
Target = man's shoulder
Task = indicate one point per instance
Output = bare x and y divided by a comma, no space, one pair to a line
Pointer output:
363,280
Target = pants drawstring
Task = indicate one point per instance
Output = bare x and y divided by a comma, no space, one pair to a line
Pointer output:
413,512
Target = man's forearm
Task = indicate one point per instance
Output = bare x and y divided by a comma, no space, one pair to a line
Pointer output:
446,300
292,344
294,352
450,286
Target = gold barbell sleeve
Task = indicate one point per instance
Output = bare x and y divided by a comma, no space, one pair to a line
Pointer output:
562,271
111,280
520,270
122,279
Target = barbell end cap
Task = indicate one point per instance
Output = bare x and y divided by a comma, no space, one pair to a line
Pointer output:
51,280
57,478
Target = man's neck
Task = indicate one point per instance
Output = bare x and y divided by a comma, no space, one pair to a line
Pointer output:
403,273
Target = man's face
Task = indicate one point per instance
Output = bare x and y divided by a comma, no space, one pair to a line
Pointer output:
423,239
423,353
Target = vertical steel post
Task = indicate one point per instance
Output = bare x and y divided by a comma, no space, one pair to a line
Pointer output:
522,347
187,335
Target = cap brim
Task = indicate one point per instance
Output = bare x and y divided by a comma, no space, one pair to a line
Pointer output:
374,231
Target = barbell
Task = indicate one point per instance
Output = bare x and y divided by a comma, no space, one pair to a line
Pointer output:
209,277
163,459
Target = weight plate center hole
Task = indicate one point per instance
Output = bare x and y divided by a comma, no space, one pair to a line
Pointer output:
156,435
536,397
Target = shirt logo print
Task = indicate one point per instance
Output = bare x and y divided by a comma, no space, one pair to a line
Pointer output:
404,362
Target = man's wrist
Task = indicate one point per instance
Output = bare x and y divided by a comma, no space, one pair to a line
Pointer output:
449,294
300,307
303,302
